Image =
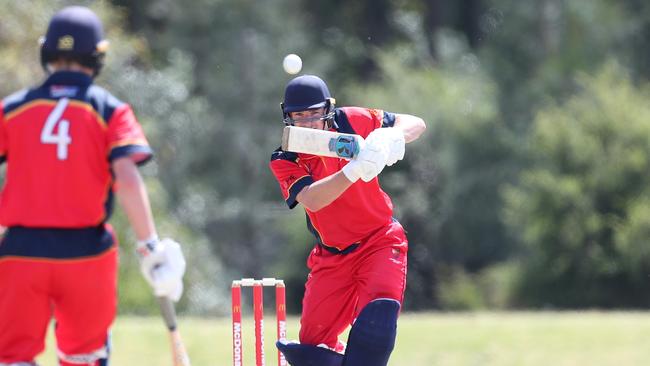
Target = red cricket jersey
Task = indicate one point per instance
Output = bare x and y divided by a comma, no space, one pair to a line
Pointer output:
58,141
362,209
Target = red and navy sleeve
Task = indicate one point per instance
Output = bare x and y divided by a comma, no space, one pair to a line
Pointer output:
290,175
362,121
125,136
388,119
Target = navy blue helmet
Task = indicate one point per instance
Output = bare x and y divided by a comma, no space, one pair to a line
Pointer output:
307,92
75,33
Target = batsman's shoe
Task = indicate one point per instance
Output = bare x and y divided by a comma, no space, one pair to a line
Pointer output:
308,355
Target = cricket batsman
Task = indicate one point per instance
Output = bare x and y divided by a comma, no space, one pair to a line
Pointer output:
70,146
358,265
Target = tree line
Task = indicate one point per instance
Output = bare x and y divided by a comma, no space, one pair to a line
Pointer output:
528,189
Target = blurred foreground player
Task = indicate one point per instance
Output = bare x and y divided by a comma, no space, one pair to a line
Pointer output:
358,265
68,144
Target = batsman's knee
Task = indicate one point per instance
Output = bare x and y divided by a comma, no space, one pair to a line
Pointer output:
372,337
298,354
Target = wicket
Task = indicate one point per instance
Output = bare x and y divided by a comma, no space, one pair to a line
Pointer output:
258,315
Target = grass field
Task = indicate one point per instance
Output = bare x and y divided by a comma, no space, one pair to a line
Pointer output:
433,339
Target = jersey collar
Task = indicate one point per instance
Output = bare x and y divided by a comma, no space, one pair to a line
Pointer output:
68,78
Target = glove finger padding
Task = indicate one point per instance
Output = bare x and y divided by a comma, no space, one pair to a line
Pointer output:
174,256
397,150
163,265
366,165
168,278
393,139
167,284
372,159
380,149
150,255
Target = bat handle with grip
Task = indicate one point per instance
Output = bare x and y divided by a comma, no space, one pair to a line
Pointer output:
347,147
168,312
180,357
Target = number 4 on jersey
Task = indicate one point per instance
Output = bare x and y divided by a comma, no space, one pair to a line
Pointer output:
62,139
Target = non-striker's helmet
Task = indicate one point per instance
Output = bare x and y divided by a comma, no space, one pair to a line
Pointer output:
307,92
75,33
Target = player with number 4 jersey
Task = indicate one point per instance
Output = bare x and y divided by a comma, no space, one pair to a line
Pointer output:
61,138
69,147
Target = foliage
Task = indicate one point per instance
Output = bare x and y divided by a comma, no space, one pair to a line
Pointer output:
534,48
493,287
579,208
227,191
205,80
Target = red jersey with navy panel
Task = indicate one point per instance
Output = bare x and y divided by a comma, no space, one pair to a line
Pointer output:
58,141
362,209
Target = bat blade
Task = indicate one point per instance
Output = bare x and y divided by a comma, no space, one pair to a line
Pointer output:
179,353
321,142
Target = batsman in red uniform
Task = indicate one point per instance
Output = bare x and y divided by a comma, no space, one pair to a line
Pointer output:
70,146
358,266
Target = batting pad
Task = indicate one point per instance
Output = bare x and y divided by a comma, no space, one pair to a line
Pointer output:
372,336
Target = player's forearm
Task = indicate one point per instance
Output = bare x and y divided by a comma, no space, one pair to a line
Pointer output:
136,206
412,126
133,198
323,192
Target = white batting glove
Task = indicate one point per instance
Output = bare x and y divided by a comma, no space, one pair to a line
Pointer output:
162,264
368,164
393,138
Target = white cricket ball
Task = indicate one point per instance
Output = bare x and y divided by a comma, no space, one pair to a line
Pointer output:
292,64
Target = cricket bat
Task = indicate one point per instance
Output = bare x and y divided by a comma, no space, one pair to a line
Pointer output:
179,354
321,142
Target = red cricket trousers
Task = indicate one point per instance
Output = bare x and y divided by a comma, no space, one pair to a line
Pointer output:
340,285
81,294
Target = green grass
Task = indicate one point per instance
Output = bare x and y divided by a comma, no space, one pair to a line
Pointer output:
432,339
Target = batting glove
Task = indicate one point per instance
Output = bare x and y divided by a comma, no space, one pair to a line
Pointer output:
162,264
368,164
392,139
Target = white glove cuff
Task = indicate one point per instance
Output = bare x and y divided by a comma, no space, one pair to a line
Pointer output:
144,248
350,172
152,239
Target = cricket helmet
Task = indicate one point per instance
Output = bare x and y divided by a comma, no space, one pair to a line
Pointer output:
307,92
76,33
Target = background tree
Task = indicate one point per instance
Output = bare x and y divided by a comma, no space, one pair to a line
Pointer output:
580,206
492,78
